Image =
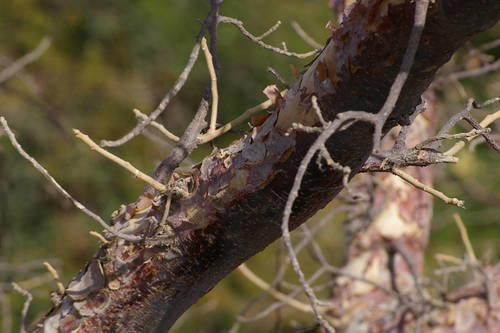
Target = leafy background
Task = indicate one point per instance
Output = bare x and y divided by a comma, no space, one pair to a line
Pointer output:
108,57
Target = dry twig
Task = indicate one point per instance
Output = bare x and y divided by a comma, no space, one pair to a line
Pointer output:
156,125
256,40
305,36
98,236
415,182
243,268
489,119
61,190
213,85
471,73
26,305
350,116
121,162
19,64
269,31
55,276
210,22
465,237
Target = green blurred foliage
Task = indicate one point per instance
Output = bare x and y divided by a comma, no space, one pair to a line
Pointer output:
108,57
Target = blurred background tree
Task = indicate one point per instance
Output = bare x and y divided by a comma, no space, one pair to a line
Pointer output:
108,57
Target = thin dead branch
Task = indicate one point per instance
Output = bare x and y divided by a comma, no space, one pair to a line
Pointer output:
415,182
157,125
98,236
488,68
269,31
255,279
55,275
19,64
61,190
26,305
465,237
179,83
121,162
256,40
305,36
207,137
213,85
489,119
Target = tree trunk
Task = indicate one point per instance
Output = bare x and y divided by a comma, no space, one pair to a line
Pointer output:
237,194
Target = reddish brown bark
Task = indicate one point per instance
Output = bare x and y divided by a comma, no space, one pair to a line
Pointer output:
237,194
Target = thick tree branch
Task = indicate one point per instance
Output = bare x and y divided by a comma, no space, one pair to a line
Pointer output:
236,195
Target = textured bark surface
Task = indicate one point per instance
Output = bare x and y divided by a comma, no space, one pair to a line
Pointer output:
236,195
397,215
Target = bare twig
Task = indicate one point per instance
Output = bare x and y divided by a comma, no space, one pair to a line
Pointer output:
471,104
471,134
212,23
179,83
187,143
316,108
243,268
126,165
278,77
411,266
350,116
166,211
256,40
55,275
213,84
449,258
26,305
278,304
209,23
489,46
325,264
19,64
237,121
489,119
415,182
157,125
465,237
308,39
61,190
471,73
269,31
98,236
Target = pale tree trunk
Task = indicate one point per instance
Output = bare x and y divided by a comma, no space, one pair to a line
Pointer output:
237,194
386,244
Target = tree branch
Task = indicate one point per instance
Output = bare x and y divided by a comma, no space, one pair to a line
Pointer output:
237,195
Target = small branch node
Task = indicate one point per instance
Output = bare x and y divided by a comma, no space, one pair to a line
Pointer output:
213,84
26,305
125,164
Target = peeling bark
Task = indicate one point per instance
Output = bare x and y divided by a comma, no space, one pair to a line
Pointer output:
236,195
398,215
